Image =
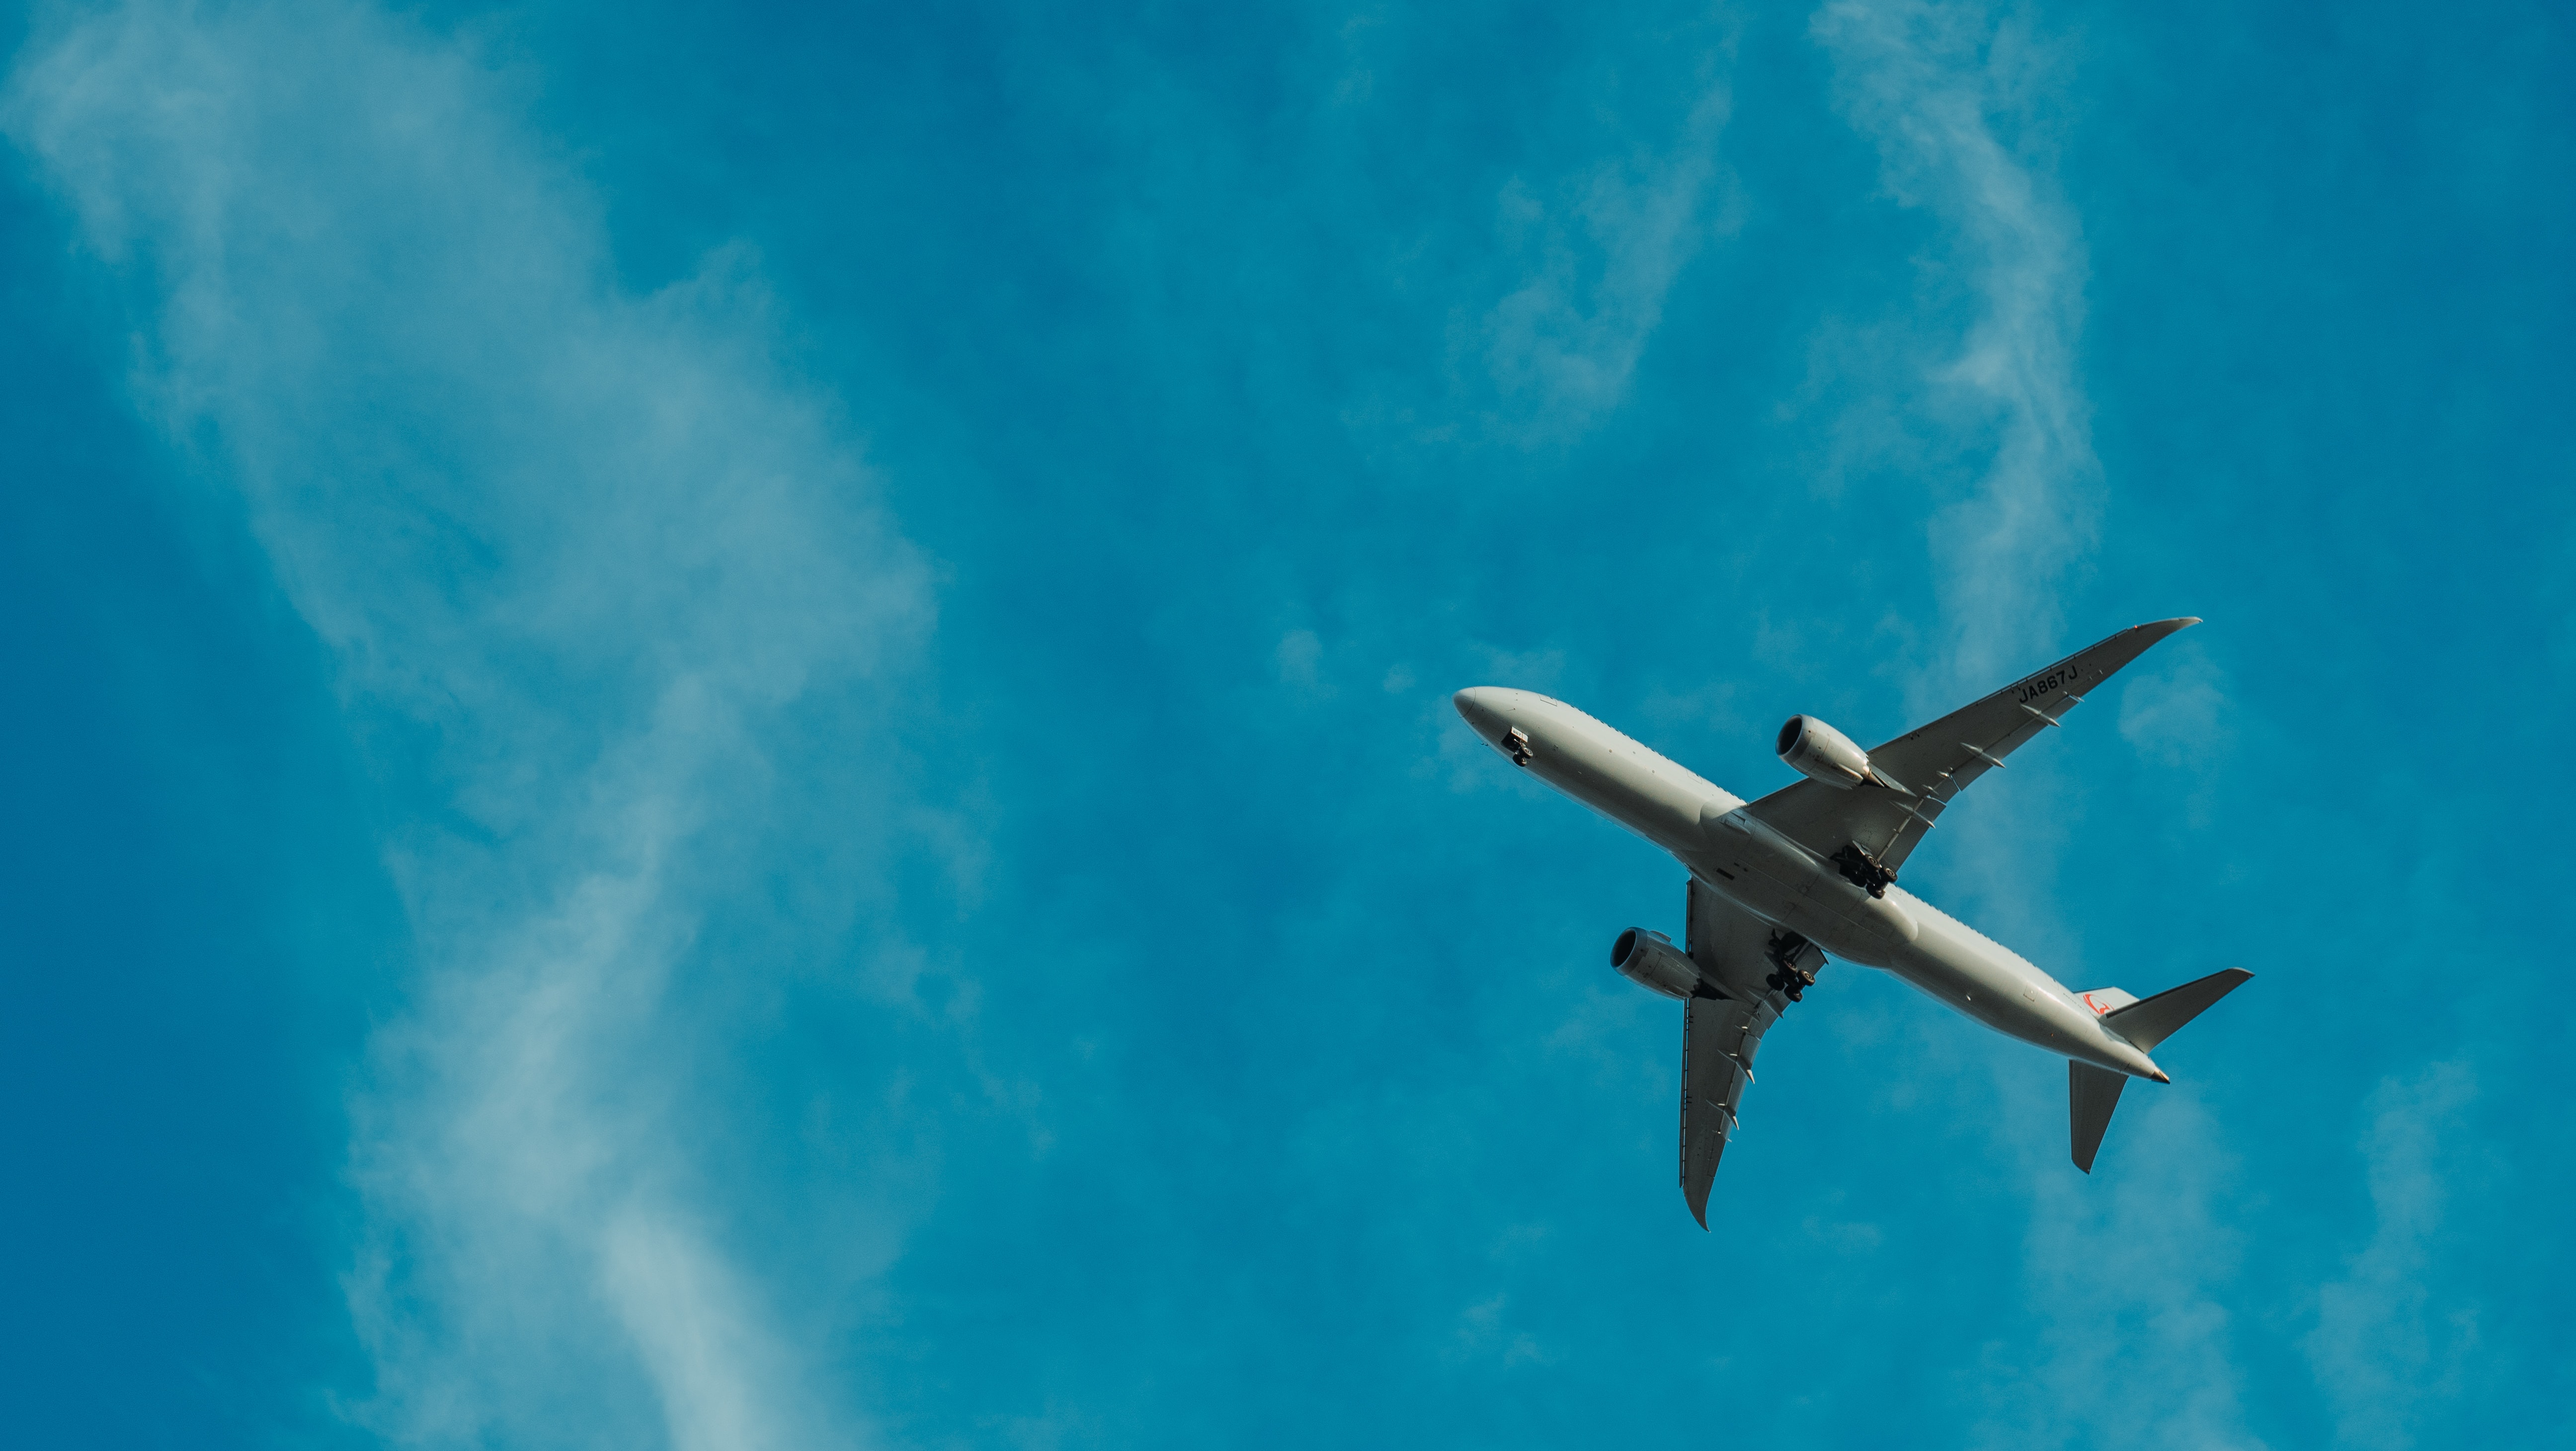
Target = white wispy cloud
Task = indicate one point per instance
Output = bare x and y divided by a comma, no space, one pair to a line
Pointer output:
1603,251
2386,1345
2134,1266
1939,86
2175,712
579,554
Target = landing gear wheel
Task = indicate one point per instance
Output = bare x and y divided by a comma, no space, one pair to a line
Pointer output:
1862,870
1787,951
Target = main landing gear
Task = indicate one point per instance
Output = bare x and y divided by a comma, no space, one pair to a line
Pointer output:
1863,871
1790,954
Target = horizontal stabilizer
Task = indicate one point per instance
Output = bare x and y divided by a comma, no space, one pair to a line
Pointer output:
2091,1094
2152,1021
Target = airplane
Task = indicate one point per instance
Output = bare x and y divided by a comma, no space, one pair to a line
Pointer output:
1810,870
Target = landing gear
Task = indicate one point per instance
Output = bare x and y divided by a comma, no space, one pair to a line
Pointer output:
1863,871
1517,746
1793,964
1791,983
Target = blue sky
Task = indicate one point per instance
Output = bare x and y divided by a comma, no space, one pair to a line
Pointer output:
730,727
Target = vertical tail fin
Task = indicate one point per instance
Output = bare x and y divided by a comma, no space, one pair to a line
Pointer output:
2091,1094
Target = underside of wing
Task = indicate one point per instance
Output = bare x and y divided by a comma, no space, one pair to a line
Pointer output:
1749,968
1719,1036
1876,826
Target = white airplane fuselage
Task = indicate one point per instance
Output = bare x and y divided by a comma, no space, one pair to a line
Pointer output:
1784,883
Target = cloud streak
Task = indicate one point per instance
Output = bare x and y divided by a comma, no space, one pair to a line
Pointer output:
2382,1348
582,557
1937,87
2129,1268
1562,347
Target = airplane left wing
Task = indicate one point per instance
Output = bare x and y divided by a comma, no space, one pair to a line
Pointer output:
1880,824
1751,967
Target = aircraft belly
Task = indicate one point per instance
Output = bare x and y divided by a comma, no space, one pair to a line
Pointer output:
1771,901
1623,786
1786,885
1990,984
1788,888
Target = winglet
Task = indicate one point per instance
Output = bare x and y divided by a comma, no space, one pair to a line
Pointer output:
2156,630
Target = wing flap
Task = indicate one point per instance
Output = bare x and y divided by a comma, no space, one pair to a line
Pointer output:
1718,1041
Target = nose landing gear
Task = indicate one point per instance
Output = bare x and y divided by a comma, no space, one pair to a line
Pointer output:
1517,746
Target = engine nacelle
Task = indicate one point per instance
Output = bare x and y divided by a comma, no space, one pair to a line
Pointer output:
1650,960
1824,753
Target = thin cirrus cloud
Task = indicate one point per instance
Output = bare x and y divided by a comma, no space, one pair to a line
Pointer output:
661,1145
1562,347
578,554
2388,1340
1927,83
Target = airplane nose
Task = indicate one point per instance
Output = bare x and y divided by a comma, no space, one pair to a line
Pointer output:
1478,704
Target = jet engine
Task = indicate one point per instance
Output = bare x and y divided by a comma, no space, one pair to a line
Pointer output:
1650,960
1824,753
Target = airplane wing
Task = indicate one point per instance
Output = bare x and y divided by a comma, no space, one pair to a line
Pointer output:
1933,764
1723,1026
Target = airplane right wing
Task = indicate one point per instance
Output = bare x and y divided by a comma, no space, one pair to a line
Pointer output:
1753,968
1929,766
